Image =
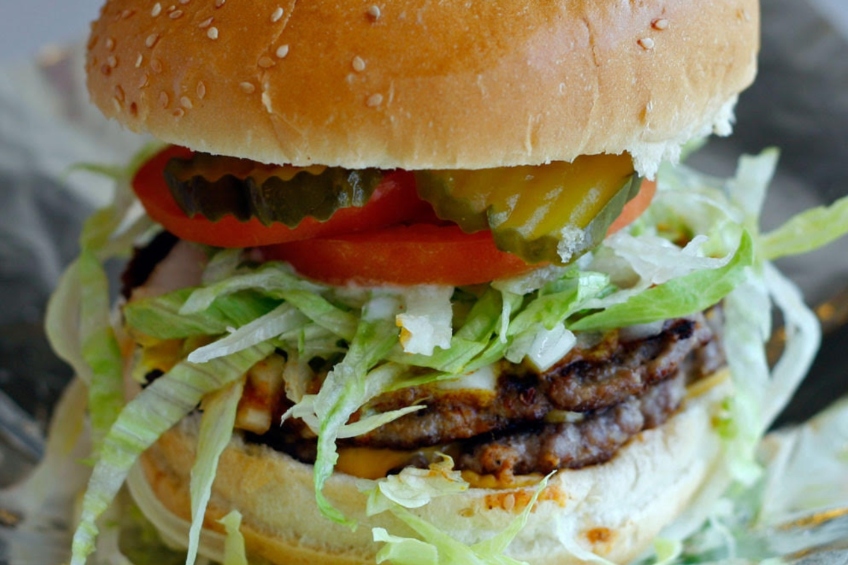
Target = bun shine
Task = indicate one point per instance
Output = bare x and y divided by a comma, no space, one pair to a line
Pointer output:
424,84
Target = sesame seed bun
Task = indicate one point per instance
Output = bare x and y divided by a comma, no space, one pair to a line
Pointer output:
418,84
614,509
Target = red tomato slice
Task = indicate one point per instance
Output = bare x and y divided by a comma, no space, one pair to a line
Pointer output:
635,206
419,254
394,200
404,255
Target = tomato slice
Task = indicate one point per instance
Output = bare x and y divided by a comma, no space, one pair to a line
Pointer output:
635,206
418,254
394,200
403,255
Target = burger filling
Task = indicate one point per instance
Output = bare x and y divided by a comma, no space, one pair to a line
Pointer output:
502,420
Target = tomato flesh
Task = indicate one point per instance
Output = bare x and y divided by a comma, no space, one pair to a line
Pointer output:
394,200
402,255
634,207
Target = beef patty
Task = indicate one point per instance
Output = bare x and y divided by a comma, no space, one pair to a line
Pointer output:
587,379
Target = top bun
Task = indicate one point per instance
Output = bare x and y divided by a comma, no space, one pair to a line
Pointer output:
422,84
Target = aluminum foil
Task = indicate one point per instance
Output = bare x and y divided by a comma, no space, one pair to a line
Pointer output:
798,512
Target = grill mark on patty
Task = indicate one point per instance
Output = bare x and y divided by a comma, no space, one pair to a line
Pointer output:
586,380
572,445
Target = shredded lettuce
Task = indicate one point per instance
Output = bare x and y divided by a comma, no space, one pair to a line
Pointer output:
62,322
99,347
807,231
160,316
346,389
269,277
216,429
283,318
677,297
802,338
414,488
158,407
234,550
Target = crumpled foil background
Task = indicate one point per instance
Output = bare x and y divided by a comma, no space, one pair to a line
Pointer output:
799,103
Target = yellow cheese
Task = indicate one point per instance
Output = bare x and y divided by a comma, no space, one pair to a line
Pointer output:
371,463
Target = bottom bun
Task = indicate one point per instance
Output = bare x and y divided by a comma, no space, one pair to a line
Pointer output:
613,510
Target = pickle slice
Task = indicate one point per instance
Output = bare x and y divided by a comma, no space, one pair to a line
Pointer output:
215,186
553,213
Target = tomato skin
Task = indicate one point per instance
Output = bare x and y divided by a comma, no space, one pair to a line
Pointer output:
634,207
394,200
402,255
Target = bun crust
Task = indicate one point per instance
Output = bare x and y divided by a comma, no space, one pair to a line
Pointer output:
614,509
420,84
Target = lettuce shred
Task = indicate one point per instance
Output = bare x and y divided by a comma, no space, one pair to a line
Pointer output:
413,488
216,428
234,550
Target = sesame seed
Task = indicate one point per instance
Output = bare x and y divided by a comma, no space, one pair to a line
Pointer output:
171,8
375,100
278,13
247,87
112,61
185,102
139,60
282,51
110,44
117,104
358,64
178,113
144,80
660,24
219,3
374,12
176,14
184,1
266,62
156,65
646,43
164,99
151,39
205,23
201,90
157,9
119,93
212,33
127,14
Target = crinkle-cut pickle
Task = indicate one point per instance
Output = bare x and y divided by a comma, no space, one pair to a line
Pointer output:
553,212
543,213
215,186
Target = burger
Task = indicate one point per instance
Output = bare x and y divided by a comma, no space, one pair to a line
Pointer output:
416,281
